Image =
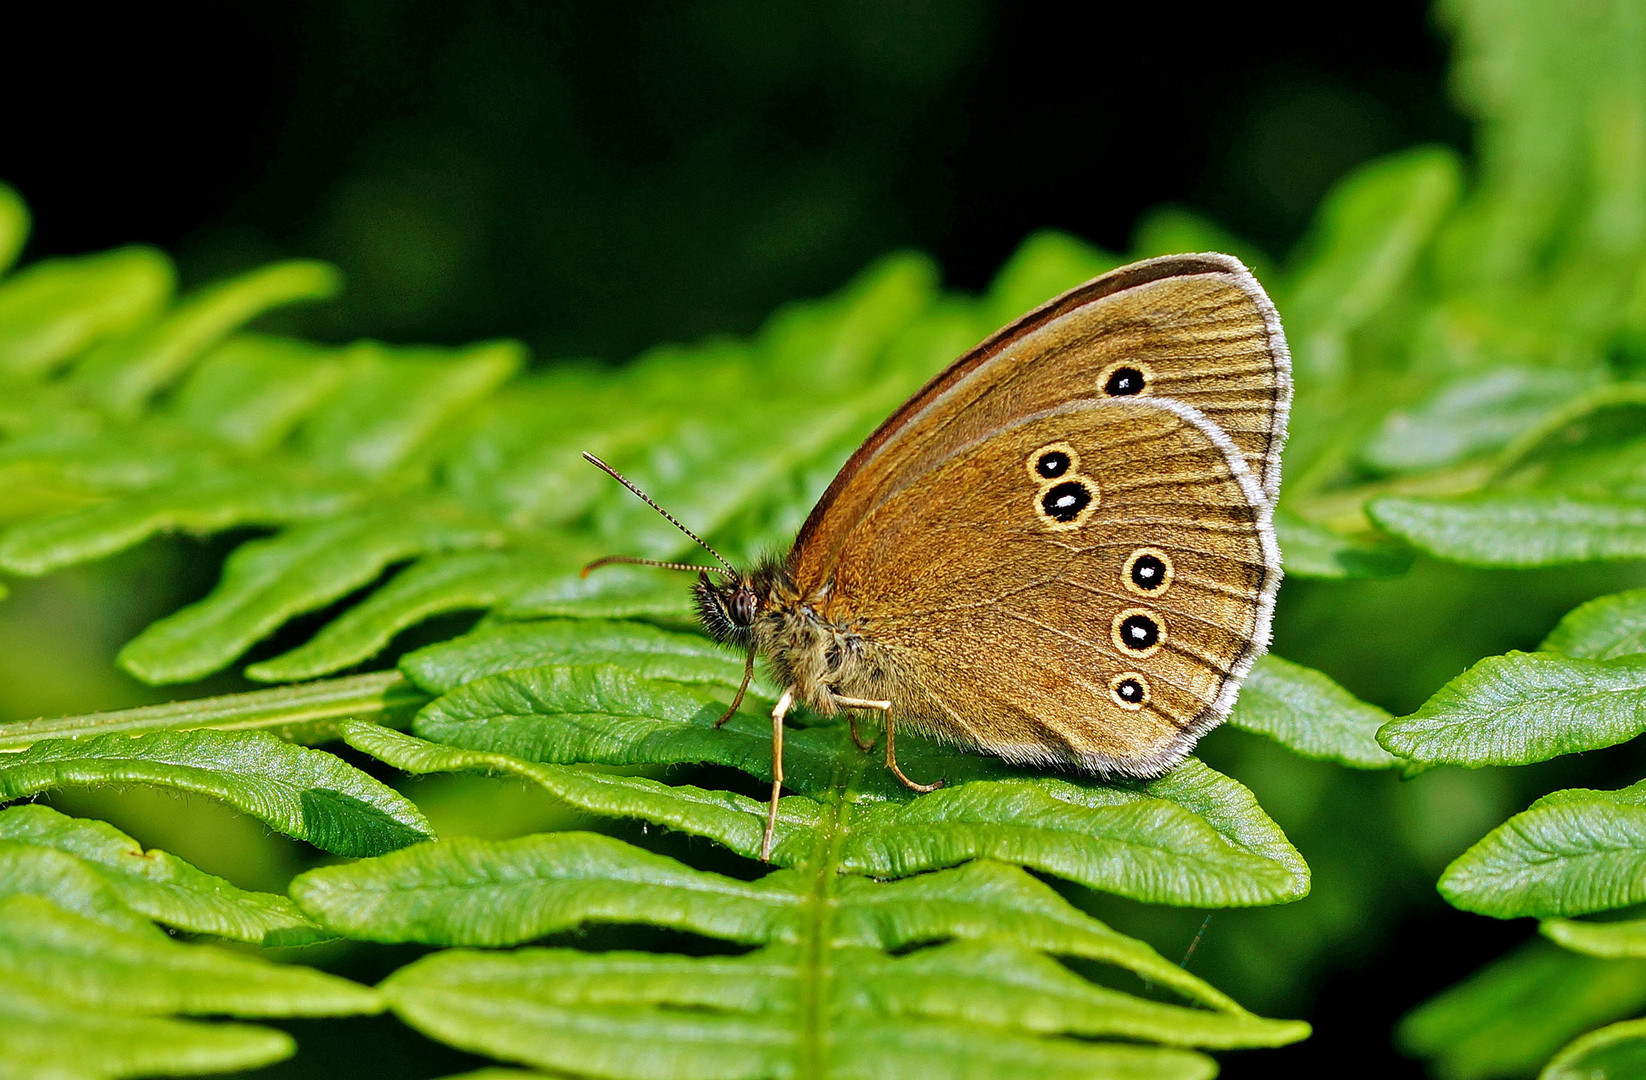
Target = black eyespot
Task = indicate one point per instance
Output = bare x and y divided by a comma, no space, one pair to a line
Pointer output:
1148,572
1065,501
1124,382
1139,632
1052,464
1129,690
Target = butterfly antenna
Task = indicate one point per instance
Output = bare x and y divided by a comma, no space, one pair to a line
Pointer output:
647,499
631,560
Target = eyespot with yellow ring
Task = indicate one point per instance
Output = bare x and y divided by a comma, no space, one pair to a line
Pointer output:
1067,504
1138,632
1148,572
1125,378
1054,461
1129,690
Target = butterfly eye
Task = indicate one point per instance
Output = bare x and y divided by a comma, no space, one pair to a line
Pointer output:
1124,380
1138,632
1129,690
1148,572
742,607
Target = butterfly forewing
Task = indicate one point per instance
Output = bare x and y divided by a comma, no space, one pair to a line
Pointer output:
1192,328
1086,586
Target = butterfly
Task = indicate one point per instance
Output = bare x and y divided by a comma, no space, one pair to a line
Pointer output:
1059,551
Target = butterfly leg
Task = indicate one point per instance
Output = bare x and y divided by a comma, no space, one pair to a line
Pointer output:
885,708
778,714
851,717
748,674
851,726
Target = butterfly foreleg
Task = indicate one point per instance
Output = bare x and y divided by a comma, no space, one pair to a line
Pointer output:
778,713
748,675
885,708
864,745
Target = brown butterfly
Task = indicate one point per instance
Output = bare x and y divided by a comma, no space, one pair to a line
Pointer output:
1059,551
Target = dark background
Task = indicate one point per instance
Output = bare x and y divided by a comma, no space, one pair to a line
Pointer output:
596,178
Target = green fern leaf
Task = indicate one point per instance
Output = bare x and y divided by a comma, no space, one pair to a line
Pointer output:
1313,551
267,582
1614,1052
57,309
67,882
736,821
1161,836
615,593
1190,837
87,971
1511,529
844,901
473,892
1566,490
1508,1018
1524,707
1619,940
1193,837
980,897
122,373
1310,714
983,1005
641,649
307,713
1571,852
1603,629
46,949
303,793
436,584
1353,268
252,391
201,504
156,884
85,987
43,1035
1474,414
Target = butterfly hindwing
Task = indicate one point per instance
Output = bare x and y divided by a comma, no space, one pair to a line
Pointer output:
1086,586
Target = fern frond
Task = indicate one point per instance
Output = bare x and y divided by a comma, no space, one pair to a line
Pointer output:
1512,1015
48,950
958,1009
307,794
42,1035
155,884
89,983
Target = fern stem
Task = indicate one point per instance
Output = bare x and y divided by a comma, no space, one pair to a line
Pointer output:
307,712
823,865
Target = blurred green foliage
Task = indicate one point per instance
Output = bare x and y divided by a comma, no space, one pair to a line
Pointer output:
593,178
1468,465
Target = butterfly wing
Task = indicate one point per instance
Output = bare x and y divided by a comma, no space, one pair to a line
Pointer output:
1193,328
1085,586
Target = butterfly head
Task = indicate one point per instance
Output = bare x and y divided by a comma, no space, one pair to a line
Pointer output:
728,607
